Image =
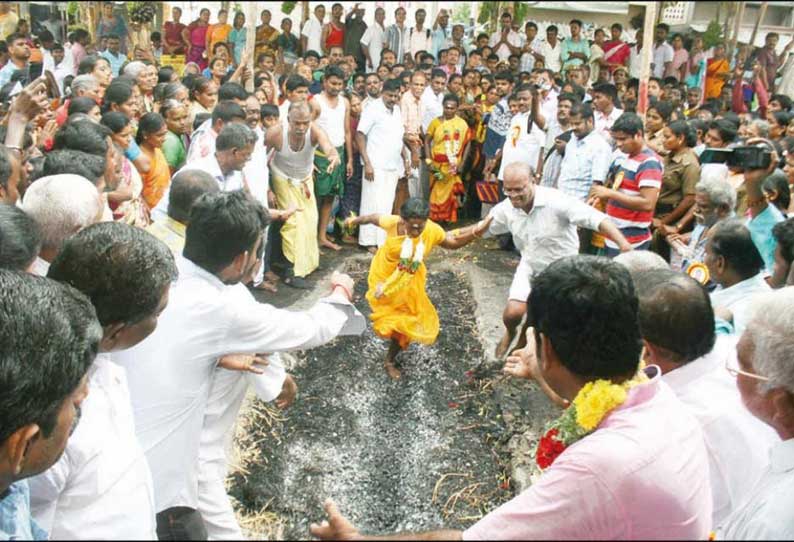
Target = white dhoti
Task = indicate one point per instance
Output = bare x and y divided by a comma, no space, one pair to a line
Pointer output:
414,184
519,289
377,197
216,510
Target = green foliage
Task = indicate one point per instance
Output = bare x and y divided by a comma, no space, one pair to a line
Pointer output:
713,34
71,8
288,7
461,13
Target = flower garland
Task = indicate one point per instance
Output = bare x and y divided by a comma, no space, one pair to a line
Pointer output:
451,149
590,406
410,260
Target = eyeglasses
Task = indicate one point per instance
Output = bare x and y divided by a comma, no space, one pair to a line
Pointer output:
732,366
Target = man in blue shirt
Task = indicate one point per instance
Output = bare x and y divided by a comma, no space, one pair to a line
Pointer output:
113,54
18,56
50,339
575,50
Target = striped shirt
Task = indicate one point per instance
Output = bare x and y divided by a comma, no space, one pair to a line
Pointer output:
643,170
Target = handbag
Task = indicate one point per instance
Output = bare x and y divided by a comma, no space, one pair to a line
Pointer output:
488,191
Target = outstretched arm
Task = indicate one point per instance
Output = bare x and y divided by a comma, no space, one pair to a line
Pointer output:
461,237
373,219
610,231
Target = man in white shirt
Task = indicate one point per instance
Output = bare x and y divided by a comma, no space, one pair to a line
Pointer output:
547,96
586,157
101,487
506,41
433,97
551,50
379,138
662,51
604,97
233,150
543,224
203,140
766,384
635,56
211,314
735,264
525,139
530,51
677,323
374,39
419,36
312,31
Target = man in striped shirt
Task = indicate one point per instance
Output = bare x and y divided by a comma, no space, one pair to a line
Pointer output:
631,195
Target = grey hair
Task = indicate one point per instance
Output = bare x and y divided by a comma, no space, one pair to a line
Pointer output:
134,69
637,261
61,205
762,125
235,135
520,168
769,330
82,83
299,107
719,191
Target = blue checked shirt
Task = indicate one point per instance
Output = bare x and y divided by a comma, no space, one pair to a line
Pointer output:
585,161
15,520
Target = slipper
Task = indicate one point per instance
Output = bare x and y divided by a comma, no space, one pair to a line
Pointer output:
296,282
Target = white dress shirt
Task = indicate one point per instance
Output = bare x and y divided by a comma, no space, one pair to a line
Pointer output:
603,123
209,164
737,443
256,174
635,62
384,130
522,145
503,52
585,161
432,106
551,55
767,513
548,231
313,30
374,37
548,105
739,299
419,40
101,487
202,142
170,373
661,54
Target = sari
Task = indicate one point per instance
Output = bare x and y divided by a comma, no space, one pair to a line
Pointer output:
616,52
450,138
157,180
264,34
198,43
134,212
714,82
406,314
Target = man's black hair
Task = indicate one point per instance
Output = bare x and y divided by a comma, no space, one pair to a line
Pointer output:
675,314
587,308
504,76
725,128
629,123
50,339
334,71
227,112
20,239
607,89
70,161
6,166
232,91
784,101
269,110
83,135
186,187
122,269
585,110
88,64
223,226
732,240
295,81
234,135
391,85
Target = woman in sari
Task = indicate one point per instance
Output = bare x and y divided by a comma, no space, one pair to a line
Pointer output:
265,34
446,146
126,201
196,37
718,70
401,310
151,136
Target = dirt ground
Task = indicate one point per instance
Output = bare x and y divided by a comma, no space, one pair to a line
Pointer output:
441,447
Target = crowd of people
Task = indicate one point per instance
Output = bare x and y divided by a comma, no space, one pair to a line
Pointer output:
145,195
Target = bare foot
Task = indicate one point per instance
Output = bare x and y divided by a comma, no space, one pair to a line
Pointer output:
393,372
267,286
504,345
372,250
271,276
328,244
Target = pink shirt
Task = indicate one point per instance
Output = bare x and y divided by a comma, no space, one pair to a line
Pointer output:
643,474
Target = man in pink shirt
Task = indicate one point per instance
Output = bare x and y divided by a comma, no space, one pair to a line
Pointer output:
642,473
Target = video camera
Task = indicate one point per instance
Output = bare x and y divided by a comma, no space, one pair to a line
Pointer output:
745,157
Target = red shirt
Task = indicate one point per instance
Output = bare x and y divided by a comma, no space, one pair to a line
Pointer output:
173,36
336,37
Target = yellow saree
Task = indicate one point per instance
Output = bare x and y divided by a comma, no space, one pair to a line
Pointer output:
406,314
450,138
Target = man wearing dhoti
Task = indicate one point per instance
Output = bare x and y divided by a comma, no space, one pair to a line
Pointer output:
294,143
379,137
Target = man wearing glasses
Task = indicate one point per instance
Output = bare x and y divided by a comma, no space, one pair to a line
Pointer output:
765,380
677,323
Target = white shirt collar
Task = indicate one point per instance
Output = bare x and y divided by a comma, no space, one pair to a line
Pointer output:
188,268
692,371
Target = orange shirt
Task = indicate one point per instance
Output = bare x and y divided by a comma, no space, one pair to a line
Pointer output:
218,33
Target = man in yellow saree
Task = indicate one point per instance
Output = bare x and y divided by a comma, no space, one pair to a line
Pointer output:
401,310
447,146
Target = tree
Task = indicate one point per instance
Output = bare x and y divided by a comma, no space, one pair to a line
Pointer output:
462,13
